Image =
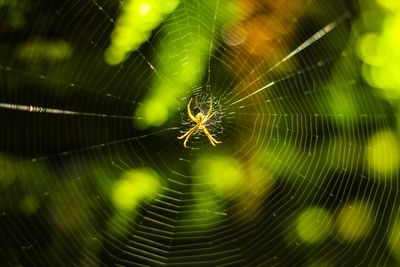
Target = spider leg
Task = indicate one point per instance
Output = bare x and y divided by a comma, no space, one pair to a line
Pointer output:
190,112
208,117
188,134
209,112
187,137
212,139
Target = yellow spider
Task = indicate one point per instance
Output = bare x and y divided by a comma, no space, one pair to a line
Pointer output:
200,121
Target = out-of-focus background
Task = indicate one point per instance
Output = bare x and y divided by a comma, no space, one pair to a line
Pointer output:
305,96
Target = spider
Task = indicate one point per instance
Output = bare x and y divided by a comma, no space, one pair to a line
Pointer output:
200,121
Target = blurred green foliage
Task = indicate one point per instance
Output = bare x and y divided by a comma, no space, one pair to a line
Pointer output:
95,206
41,52
378,45
134,24
182,56
14,13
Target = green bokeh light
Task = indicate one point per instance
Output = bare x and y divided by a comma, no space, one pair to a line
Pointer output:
29,204
355,221
154,113
47,51
379,48
314,225
383,154
134,186
394,239
134,25
223,173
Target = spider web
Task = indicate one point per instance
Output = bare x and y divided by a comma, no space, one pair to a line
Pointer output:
294,120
